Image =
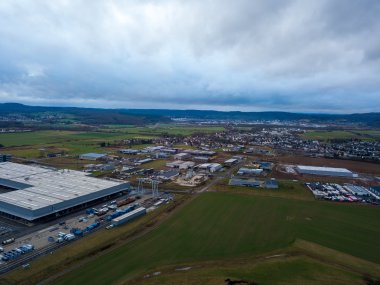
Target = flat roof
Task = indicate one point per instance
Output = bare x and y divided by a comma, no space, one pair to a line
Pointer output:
48,186
122,217
318,168
92,154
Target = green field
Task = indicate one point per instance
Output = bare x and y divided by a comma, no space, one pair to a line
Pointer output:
221,226
287,189
27,144
368,135
50,137
271,272
170,129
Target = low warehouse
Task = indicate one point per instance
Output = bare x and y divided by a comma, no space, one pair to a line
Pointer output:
244,182
249,171
92,156
129,216
324,171
33,192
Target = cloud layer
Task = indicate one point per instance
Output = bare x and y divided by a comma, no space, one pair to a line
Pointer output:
305,56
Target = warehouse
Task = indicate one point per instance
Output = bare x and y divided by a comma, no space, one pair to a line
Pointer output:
92,156
129,151
230,162
34,192
244,182
249,171
324,171
129,216
182,156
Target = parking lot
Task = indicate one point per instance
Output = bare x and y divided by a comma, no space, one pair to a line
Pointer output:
342,193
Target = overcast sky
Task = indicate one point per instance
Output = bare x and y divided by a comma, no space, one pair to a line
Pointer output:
249,55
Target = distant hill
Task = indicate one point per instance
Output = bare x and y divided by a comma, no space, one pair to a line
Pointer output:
370,119
86,115
146,116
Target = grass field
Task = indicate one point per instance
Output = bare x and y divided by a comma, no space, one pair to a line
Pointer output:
170,129
270,272
220,226
346,134
75,142
50,137
287,189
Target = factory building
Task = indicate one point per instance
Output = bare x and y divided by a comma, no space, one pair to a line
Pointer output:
5,157
33,192
130,151
210,167
249,171
231,161
324,171
182,156
244,182
92,156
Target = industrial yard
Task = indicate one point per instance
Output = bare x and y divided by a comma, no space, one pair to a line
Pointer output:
69,203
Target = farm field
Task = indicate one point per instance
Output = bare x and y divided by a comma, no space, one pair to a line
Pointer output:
349,134
221,226
27,144
170,129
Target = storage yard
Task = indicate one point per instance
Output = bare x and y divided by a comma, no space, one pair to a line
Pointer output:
343,193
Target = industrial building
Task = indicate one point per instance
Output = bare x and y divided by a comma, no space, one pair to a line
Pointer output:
5,157
251,182
33,192
129,151
249,171
210,167
324,171
201,158
129,216
180,164
92,156
231,161
182,156
271,184
244,182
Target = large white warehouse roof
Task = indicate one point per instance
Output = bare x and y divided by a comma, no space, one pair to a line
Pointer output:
327,169
42,191
324,171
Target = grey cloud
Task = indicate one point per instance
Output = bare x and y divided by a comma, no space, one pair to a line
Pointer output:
252,55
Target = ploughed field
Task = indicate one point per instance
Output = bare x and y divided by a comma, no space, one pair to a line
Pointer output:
223,226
